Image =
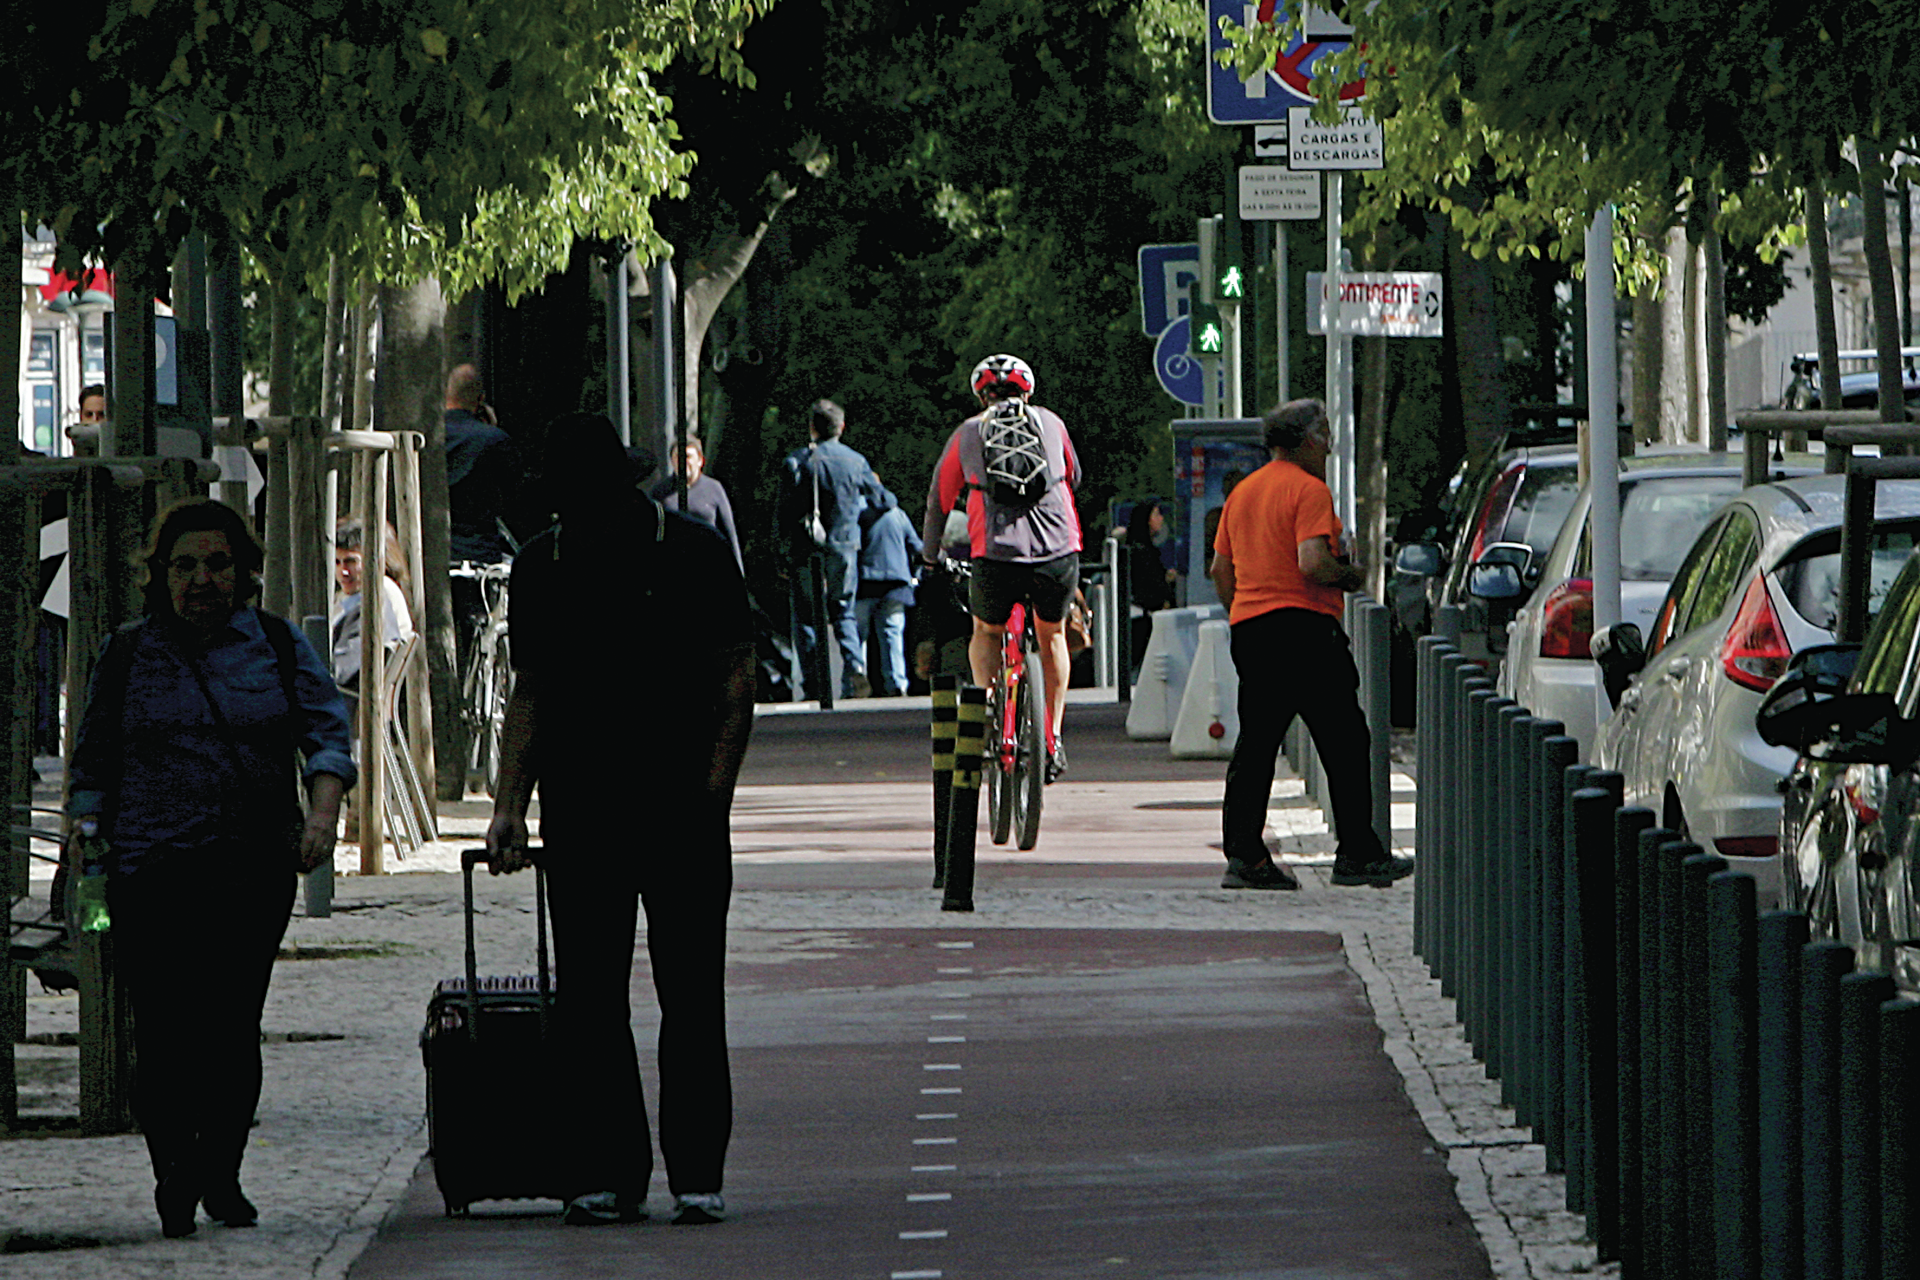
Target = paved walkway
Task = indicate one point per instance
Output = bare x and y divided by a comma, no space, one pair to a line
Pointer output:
1160,1078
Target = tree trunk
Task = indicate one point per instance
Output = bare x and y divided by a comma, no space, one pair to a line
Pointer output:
407,397
1690,321
1649,364
1714,318
1479,363
1886,304
1826,330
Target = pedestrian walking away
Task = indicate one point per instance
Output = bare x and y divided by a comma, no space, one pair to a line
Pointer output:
825,486
889,552
657,714
182,795
1013,467
1280,567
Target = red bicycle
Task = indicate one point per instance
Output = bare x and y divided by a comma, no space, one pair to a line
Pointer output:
1019,737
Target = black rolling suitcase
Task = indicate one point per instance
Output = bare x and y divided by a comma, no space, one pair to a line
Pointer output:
485,1041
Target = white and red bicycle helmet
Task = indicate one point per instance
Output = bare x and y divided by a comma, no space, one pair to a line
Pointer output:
1002,370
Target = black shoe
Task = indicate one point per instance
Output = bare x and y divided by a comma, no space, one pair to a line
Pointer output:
1056,760
176,1200
858,686
1258,875
1378,874
229,1207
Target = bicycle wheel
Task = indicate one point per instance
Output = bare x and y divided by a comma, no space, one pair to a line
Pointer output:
998,782
473,712
499,689
1029,780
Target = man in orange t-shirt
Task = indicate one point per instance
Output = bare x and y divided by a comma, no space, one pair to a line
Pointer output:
1278,567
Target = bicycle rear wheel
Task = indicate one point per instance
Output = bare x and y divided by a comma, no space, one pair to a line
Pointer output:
494,726
1029,780
998,782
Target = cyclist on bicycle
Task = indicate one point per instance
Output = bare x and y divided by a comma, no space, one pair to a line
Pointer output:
1023,549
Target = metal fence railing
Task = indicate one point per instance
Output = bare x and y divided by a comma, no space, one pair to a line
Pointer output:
1725,1098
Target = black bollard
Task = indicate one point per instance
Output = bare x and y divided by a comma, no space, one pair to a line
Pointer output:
1541,766
1476,692
963,824
1861,995
1899,1139
1645,1014
1628,826
1515,772
1590,1016
946,716
1493,872
1822,966
1674,977
1734,1073
1697,1062
1553,970
1778,938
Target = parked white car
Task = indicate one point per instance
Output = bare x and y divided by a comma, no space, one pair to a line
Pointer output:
1665,501
1760,584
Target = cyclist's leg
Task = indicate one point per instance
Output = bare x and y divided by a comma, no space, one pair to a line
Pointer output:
983,652
1052,586
993,588
1055,667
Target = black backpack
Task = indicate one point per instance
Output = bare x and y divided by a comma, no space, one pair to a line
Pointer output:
1015,454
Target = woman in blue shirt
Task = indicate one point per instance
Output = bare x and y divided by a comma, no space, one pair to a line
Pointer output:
185,760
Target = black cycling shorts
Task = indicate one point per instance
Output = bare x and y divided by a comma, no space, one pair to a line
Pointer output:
1047,586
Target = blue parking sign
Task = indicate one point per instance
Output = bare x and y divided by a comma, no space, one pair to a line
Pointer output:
1168,273
1264,99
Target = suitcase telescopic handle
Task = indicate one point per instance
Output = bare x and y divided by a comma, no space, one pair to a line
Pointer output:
469,859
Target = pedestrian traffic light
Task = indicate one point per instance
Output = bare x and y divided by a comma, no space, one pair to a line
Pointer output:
1230,280
1205,336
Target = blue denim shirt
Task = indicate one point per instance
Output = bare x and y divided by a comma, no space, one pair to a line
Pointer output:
176,789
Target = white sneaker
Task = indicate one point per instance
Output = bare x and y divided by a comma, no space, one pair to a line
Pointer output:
697,1208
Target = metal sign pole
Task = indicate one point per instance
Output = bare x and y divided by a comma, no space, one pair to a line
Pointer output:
1339,410
1280,306
1603,437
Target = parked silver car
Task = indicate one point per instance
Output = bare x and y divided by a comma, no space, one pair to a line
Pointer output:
1760,584
1666,499
1850,825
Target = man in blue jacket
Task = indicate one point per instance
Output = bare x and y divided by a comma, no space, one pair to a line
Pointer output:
825,487
889,549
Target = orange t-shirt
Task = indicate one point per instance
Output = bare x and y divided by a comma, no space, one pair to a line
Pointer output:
1267,516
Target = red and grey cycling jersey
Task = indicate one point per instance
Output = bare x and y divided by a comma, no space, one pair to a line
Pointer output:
1046,530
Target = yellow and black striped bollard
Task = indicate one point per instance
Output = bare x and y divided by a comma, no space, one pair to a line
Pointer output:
969,748
946,718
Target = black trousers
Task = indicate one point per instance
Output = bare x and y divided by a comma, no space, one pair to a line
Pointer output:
1298,662
596,895
195,936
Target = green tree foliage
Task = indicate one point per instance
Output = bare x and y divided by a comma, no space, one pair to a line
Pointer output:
474,136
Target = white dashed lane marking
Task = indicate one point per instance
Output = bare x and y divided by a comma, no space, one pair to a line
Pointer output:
924,1117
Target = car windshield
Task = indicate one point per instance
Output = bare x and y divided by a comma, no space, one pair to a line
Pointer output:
1887,659
1545,499
1660,516
1810,575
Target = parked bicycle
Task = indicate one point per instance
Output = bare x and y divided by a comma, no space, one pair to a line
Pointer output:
1019,735
486,679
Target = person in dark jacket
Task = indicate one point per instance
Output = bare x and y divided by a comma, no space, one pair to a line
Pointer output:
184,764
1150,582
824,487
707,499
889,549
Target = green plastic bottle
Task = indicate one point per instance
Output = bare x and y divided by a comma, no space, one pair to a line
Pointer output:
90,895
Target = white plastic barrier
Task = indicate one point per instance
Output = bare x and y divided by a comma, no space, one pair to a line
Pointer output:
1163,670
1209,721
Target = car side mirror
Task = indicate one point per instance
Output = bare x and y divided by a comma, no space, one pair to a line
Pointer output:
1419,560
1495,581
1621,655
1796,711
1863,728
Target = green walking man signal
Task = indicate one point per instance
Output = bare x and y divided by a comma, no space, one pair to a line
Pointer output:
1232,284
1205,337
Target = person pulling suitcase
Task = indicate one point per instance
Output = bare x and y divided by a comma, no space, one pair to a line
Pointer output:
633,647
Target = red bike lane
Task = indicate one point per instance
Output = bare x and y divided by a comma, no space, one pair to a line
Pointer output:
922,1103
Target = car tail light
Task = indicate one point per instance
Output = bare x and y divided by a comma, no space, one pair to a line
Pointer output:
1755,652
1566,620
1747,846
